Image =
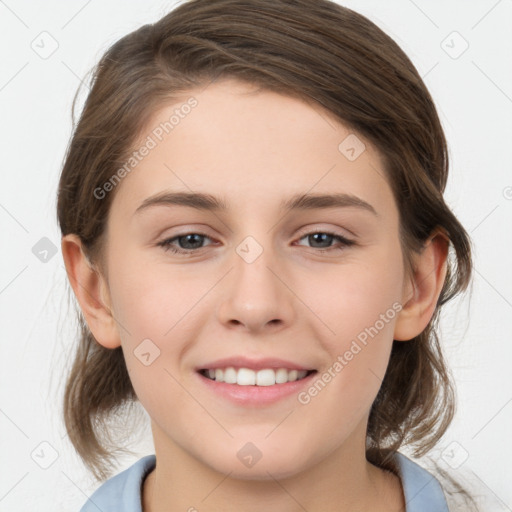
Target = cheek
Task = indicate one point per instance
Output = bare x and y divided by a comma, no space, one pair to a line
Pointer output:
358,315
155,312
360,304
151,303
346,387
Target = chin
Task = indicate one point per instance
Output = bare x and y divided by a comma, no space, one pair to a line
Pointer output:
276,466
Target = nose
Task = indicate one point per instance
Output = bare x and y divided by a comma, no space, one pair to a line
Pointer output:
257,296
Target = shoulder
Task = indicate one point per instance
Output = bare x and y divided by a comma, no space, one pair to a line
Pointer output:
122,492
422,490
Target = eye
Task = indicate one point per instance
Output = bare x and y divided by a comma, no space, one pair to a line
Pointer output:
325,238
188,243
191,242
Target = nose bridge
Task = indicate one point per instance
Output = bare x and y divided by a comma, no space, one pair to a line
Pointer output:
256,297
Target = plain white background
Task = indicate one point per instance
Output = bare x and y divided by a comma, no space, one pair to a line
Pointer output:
472,88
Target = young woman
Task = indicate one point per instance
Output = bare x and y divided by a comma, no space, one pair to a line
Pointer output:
254,228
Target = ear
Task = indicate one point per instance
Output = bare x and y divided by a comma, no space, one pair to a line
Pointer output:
91,291
422,290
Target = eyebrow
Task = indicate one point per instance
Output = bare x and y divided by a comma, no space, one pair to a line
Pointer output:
208,202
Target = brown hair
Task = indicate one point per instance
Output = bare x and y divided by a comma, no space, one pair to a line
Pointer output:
317,51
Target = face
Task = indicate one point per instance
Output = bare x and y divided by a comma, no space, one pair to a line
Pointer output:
315,285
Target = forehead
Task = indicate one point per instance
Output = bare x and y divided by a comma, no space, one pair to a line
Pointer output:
242,144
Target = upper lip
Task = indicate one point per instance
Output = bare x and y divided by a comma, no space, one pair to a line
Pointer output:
252,364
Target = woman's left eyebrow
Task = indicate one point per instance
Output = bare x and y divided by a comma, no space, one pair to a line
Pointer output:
321,201
208,202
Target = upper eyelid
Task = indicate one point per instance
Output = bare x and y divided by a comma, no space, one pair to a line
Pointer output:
299,236
301,232
333,231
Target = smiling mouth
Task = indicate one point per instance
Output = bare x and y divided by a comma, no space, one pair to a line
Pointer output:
248,377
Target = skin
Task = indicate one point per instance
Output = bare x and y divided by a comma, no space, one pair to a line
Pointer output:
255,149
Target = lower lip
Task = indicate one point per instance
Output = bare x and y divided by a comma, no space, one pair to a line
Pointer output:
256,395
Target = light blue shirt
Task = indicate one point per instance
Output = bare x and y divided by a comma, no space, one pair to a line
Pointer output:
122,493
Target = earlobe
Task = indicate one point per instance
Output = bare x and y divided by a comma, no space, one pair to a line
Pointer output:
91,291
422,291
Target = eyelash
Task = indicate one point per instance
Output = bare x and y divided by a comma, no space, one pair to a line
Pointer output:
166,244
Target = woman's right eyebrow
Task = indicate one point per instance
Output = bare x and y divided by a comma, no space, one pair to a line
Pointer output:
208,202
198,200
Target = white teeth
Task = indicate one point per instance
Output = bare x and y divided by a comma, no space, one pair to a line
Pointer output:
229,376
247,377
281,376
265,378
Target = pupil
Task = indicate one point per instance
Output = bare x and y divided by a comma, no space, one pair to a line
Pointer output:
189,237
321,236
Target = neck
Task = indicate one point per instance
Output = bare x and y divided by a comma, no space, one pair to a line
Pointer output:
343,481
